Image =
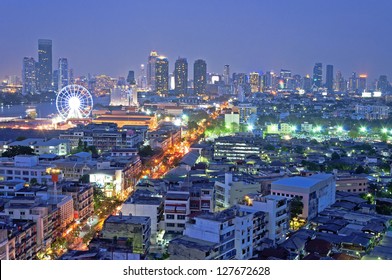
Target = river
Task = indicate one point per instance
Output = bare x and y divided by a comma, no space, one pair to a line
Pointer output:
43,109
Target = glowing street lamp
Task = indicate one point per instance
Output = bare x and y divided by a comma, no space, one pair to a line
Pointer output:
384,130
317,129
340,129
363,129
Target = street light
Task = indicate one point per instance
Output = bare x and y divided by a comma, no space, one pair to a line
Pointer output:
363,129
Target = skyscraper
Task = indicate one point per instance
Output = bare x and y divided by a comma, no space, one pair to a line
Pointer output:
63,73
340,83
226,74
44,65
318,75
181,76
162,76
151,70
55,81
131,78
199,77
329,78
383,84
362,83
29,76
255,82
352,82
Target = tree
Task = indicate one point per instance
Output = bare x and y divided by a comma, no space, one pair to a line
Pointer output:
296,207
146,151
360,170
335,156
18,150
21,138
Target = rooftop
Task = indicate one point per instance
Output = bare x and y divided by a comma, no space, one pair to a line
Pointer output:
303,182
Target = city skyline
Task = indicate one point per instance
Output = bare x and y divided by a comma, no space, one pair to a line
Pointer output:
278,35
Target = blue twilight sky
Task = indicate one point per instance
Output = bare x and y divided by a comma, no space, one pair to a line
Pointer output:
114,36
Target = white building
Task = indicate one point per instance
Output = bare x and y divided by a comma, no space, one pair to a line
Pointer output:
237,231
26,167
276,209
60,147
176,210
230,191
8,188
144,203
317,192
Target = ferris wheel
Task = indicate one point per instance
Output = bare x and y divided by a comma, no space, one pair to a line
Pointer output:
74,102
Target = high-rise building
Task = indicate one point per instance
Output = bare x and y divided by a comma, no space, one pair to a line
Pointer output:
383,84
329,78
352,82
181,76
200,77
55,81
226,74
131,78
162,76
269,80
255,82
71,76
151,70
44,65
29,76
142,79
63,73
307,83
318,75
340,83
362,83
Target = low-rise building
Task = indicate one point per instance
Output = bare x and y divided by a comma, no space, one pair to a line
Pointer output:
176,210
40,146
317,192
127,232
146,203
27,168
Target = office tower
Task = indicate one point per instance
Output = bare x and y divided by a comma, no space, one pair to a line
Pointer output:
71,77
151,70
131,78
55,81
329,78
285,79
255,82
318,74
297,81
29,76
200,77
383,84
307,83
352,82
44,65
226,74
162,76
269,80
63,73
181,76
142,79
340,83
362,83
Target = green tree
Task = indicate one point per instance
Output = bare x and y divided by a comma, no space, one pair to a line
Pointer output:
18,150
296,206
360,170
146,151
335,156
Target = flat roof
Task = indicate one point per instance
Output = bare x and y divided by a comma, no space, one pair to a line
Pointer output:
302,182
123,219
